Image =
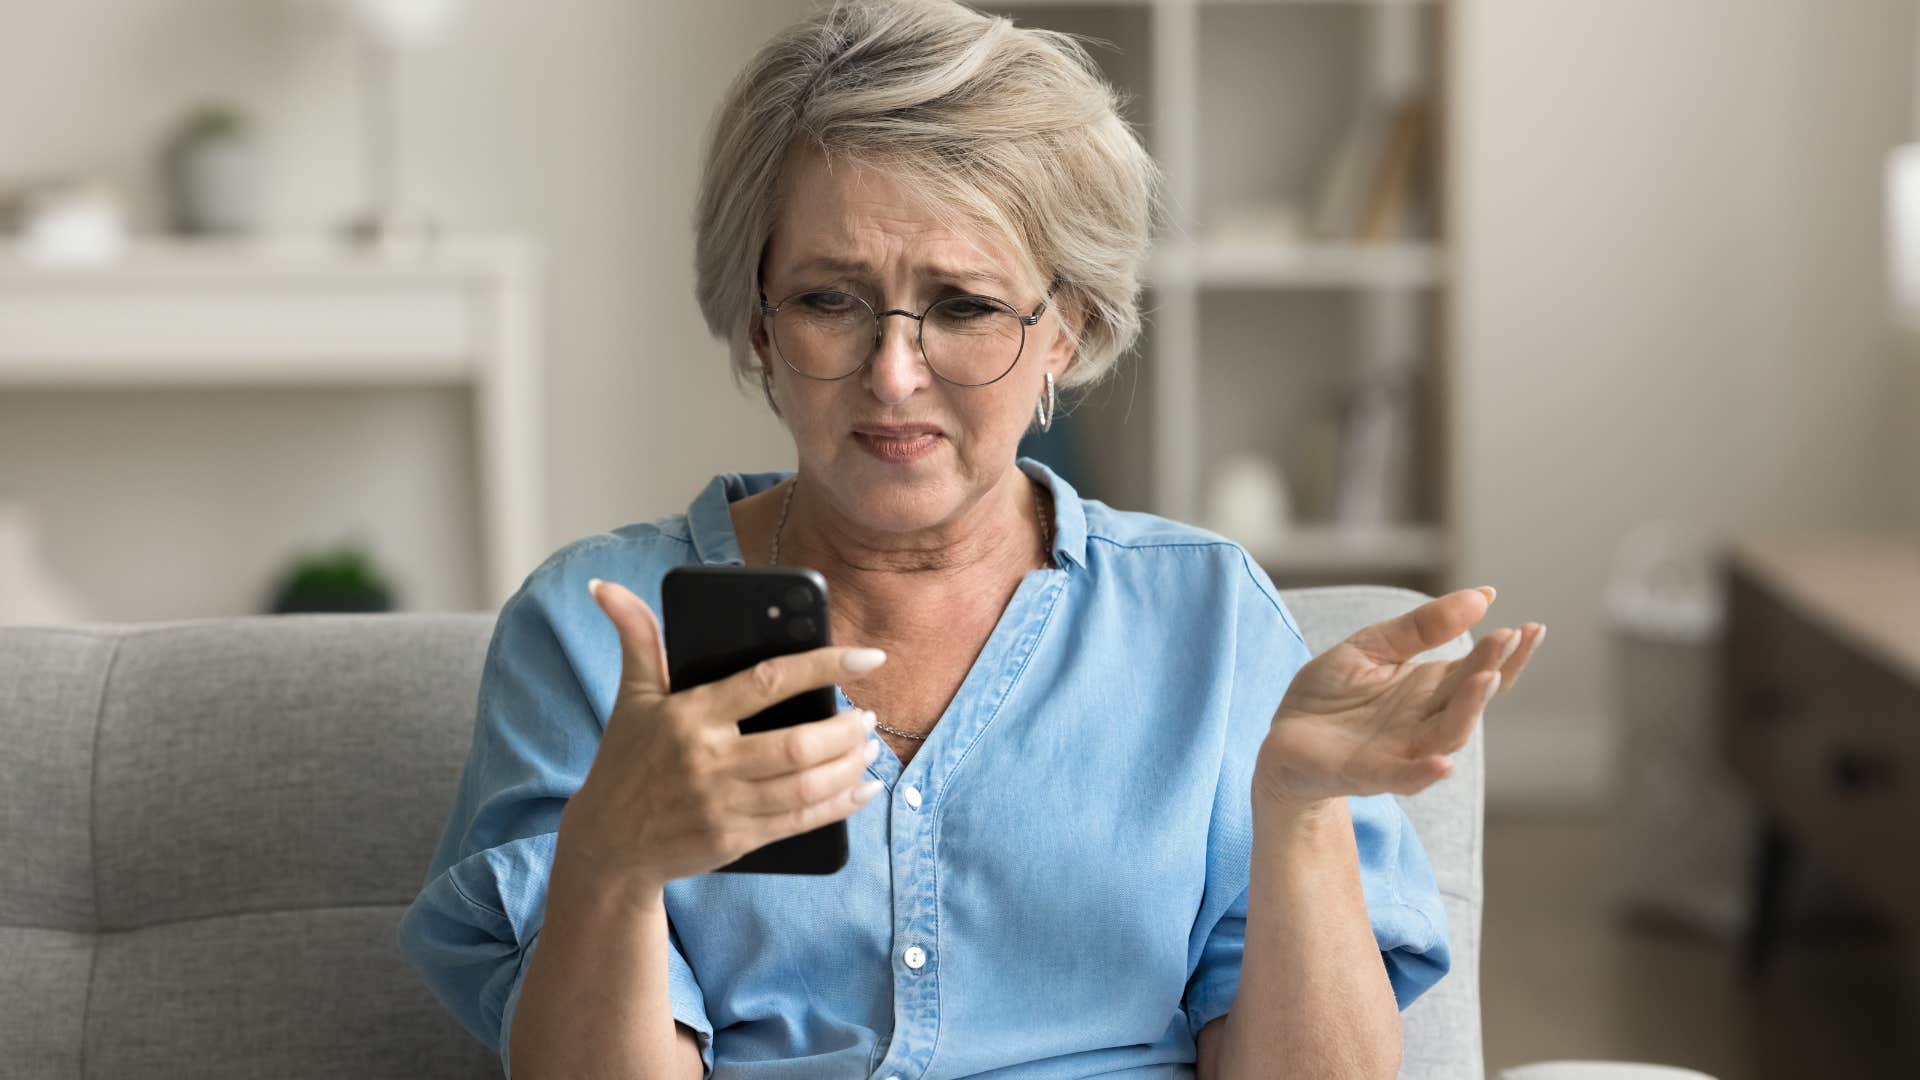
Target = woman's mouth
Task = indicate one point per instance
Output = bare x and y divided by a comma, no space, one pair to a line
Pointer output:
902,448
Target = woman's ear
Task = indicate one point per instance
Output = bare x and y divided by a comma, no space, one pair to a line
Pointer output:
1060,351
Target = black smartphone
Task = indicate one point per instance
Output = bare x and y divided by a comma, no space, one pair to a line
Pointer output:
720,620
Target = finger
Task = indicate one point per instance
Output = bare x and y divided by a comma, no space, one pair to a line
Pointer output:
1412,777
1448,731
643,654
802,819
1432,624
767,754
1510,672
771,681
1485,656
807,786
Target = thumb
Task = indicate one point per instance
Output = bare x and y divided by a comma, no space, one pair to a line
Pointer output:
643,655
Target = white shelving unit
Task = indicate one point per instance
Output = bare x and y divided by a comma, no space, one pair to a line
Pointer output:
308,312
1244,102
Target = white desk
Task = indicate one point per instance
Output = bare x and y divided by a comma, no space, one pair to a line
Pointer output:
287,311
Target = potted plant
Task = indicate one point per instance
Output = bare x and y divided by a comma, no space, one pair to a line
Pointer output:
212,171
343,581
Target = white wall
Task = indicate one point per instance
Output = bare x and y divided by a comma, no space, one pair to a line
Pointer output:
1669,304
1668,299
578,121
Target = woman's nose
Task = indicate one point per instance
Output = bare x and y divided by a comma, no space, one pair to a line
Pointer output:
897,369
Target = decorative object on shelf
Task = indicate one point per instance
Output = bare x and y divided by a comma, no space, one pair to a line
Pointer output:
30,594
1313,461
1248,501
342,581
1374,457
211,167
386,29
69,220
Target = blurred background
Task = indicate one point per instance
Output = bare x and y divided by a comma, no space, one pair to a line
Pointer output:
318,305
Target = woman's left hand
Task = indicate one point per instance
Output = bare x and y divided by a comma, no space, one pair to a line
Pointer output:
1361,718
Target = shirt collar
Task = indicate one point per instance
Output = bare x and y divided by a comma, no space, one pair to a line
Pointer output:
714,541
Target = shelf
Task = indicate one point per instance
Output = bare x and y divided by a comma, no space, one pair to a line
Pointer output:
1323,548
275,310
1300,266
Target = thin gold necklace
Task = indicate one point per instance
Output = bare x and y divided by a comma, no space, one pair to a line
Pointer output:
773,559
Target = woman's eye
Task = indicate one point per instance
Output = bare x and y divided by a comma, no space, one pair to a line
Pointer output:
966,309
826,301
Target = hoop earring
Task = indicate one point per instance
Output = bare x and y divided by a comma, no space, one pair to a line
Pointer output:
1044,407
766,384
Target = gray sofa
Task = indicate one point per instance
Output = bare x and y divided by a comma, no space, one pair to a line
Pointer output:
209,830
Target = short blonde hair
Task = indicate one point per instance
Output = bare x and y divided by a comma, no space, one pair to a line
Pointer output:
1007,129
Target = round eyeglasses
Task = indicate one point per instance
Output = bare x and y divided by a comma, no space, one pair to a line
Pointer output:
966,340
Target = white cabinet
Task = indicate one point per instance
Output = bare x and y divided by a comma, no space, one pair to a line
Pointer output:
304,312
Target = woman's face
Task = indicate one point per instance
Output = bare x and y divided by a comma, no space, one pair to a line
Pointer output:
867,217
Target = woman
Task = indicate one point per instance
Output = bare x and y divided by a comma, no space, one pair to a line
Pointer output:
1113,816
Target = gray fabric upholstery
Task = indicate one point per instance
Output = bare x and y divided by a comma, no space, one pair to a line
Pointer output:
209,829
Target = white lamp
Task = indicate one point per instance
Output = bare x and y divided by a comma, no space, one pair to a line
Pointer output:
386,29
1903,235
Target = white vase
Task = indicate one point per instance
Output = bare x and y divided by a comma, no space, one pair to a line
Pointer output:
29,592
216,185
1248,500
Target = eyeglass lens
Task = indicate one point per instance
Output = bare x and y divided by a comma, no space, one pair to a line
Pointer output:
966,339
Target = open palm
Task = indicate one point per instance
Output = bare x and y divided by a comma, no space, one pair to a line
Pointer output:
1363,718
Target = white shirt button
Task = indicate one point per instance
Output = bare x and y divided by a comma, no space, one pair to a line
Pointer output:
913,796
893,1078
915,957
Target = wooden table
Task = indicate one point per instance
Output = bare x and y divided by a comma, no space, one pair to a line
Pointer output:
1821,713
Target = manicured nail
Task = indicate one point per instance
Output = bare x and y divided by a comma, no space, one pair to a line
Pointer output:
873,750
869,719
863,660
593,587
868,790
1490,591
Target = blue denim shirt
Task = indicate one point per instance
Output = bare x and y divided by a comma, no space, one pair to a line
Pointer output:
1054,886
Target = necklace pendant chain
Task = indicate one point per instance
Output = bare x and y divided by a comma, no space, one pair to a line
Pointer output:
773,559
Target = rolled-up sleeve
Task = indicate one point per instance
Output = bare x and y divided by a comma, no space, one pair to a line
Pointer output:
476,921
1402,897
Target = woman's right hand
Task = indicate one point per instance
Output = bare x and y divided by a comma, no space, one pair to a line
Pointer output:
676,790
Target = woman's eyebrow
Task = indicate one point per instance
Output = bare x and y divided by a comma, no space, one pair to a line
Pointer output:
840,265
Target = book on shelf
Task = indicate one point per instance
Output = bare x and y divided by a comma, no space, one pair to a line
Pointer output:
1374,454
1369,186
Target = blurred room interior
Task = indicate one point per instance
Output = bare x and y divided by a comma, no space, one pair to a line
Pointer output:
1606,303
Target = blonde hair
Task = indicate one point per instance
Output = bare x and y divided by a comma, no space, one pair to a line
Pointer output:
1007,129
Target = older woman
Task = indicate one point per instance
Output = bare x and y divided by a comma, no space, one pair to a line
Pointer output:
1113,816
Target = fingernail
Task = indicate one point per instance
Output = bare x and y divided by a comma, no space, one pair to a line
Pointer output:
869,789
1513,643
873,750
593,587
1490,591
868,719
859,660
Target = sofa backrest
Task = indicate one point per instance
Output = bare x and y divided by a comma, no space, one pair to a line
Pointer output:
210,828
1439,1033
208,832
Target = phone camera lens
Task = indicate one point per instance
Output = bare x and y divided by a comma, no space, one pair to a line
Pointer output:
800,628
799,598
